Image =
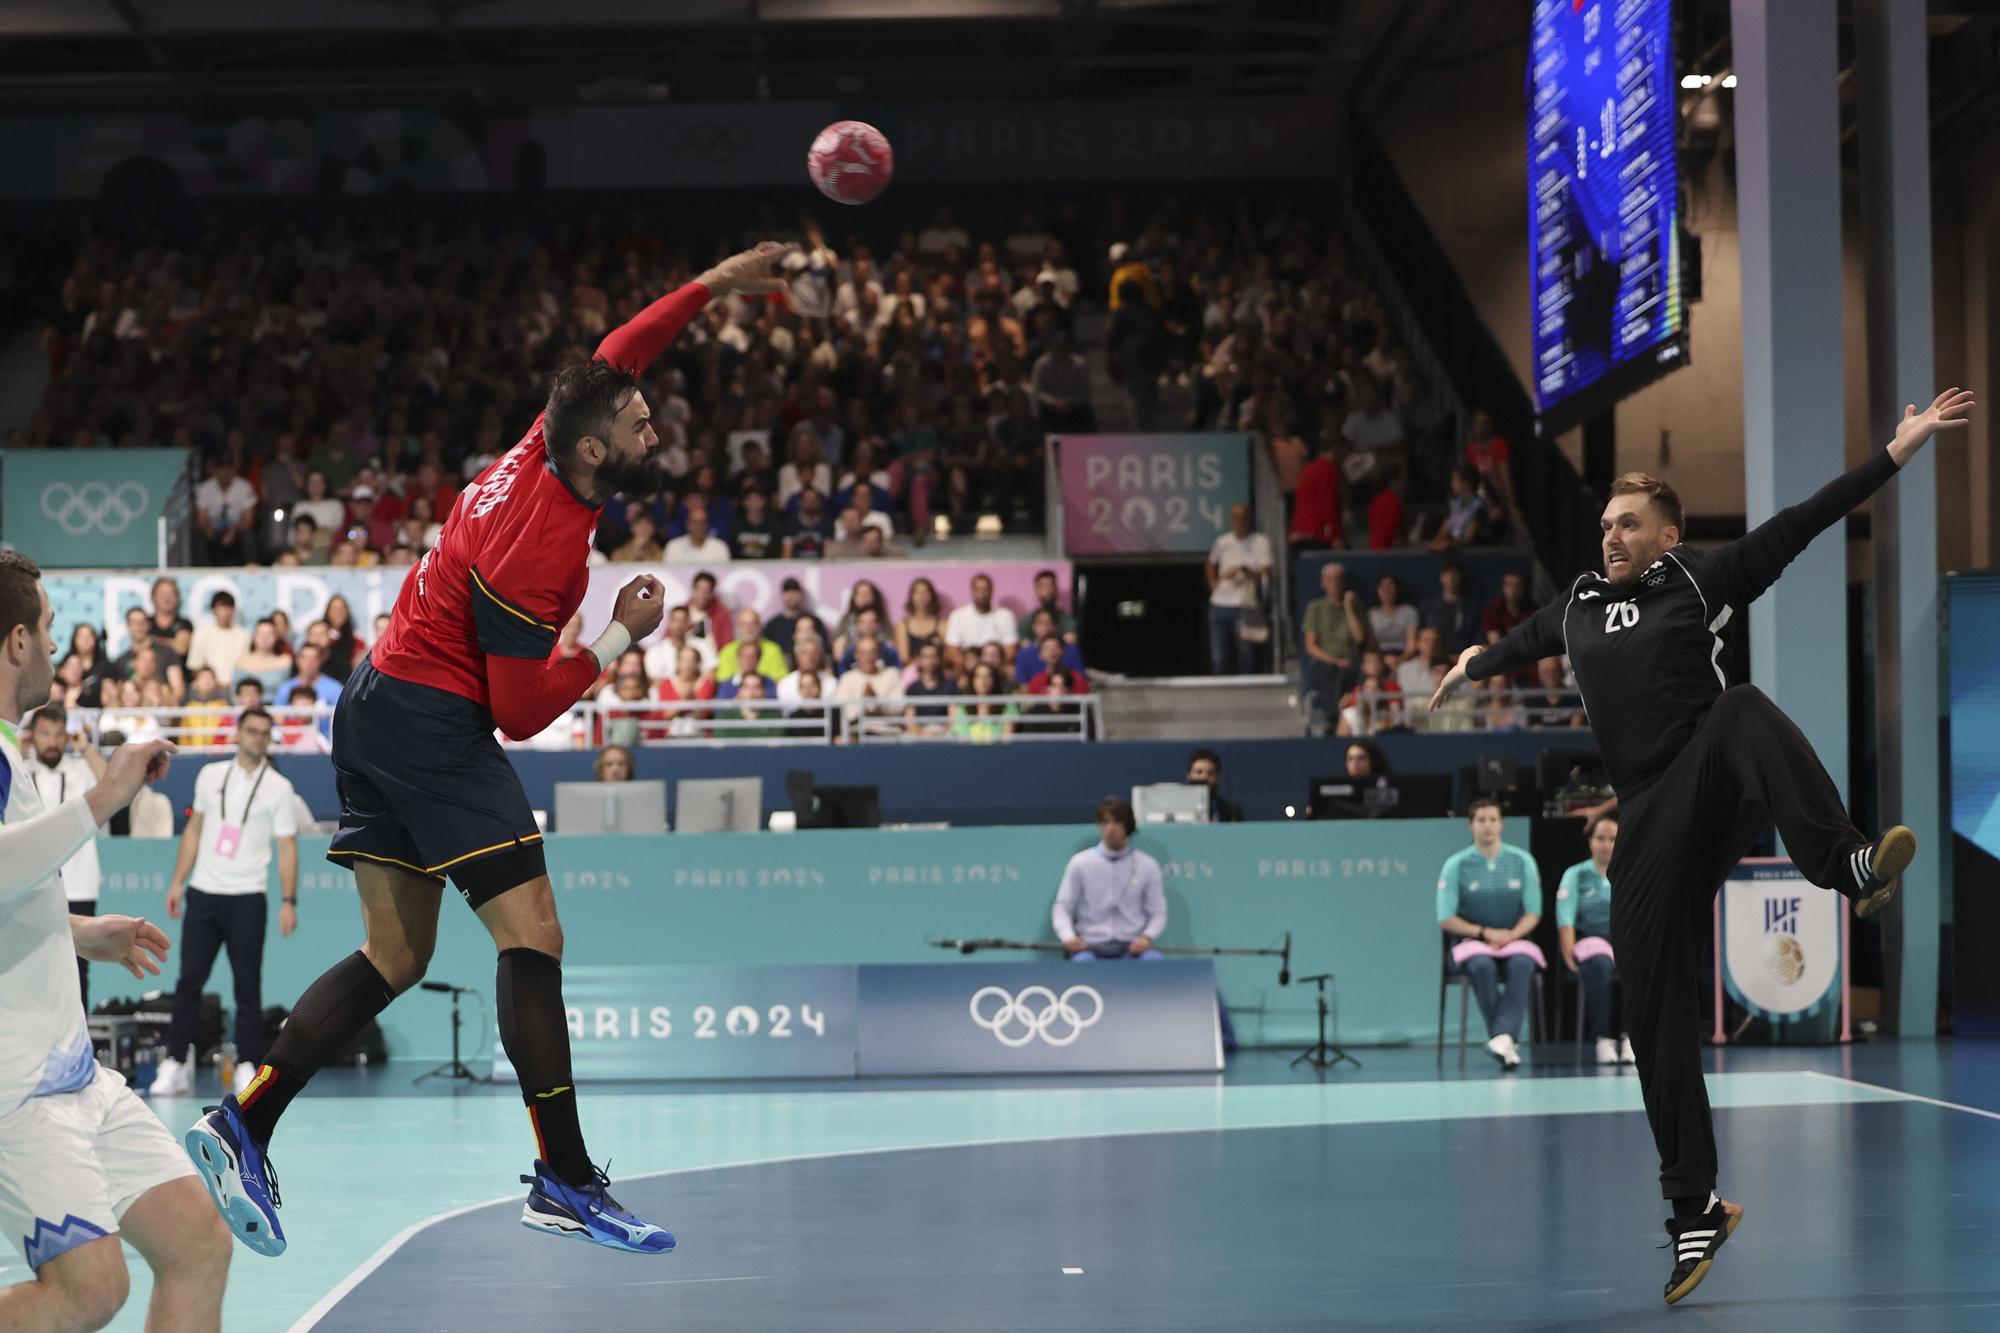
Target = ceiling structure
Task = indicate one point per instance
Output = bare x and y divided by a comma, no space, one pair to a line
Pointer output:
248,54
234,57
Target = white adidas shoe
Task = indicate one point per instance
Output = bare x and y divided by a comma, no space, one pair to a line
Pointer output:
172,1079
1607,1051
1625,1056
1505,1051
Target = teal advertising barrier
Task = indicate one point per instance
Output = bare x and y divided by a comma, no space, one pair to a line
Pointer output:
881,1019
1359,899
84,508
1150,494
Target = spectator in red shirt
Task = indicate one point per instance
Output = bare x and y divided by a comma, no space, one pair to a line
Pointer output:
1507,610
1385,514
712,620
381,532
1316,503
1375,704
1486,452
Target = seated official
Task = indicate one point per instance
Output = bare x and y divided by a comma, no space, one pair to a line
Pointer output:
1583,922
1112,903
1205,770
1489,900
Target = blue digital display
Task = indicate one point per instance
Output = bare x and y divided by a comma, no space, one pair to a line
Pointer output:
1603,201
1974,617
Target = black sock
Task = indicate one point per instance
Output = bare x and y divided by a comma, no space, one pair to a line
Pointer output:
1688,1207
535,1031
326,1018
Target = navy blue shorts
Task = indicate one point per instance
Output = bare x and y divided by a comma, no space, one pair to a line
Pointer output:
425,787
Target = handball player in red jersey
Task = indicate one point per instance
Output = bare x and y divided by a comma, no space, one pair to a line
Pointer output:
426,793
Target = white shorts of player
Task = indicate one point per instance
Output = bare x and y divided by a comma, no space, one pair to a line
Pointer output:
71,1164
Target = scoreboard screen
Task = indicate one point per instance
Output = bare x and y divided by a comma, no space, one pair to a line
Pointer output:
1603,203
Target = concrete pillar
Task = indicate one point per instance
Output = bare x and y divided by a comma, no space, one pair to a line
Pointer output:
1788,193
1890,44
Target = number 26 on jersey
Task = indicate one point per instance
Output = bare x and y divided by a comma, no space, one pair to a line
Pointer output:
1620,615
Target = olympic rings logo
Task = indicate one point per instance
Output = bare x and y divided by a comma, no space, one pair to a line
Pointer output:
705,140
95,507
1036,1012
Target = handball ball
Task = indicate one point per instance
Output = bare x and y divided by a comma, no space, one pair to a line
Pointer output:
850,162
1784,959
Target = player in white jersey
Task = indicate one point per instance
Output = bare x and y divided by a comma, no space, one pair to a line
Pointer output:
82,1159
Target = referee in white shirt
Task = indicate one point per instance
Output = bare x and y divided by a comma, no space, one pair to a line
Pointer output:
58,774
242,806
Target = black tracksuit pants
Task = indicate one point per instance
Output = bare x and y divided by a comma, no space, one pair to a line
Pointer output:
1679,835
212,923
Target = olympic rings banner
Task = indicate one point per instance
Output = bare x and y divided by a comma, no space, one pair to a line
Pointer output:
1034,1018
86,508
668,1022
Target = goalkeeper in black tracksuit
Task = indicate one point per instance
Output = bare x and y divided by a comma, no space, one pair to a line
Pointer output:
1700,769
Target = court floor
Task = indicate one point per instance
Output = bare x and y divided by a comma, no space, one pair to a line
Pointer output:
1398,1196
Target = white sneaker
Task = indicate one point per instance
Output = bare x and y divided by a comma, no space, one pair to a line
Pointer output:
1625,1056
1504,1050
172,1080
1607,1051
245,1071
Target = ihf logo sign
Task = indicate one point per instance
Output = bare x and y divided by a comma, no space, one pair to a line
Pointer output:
1781,916
1784,956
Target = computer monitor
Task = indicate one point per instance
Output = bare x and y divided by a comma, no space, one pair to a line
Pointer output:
1421,795
611,807
1342,797
718,805
1172,803
819,806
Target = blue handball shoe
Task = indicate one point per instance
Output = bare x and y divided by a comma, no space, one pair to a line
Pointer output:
588,1213
238,1176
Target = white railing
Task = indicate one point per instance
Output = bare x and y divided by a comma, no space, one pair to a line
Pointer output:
967,719
1472,708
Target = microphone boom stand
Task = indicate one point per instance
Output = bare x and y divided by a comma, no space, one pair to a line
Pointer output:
1323,1053
454,1068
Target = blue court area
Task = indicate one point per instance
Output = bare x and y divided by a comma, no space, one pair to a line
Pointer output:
1397,1197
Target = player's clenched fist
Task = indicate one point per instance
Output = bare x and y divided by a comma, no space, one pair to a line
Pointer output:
641,605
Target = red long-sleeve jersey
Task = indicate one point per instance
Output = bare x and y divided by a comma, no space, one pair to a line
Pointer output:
480,615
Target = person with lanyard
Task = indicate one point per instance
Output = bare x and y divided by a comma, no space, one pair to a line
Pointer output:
242,806
1113,901
58,774
1489,900
1583,923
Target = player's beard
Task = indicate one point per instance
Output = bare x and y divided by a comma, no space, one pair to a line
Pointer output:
641,477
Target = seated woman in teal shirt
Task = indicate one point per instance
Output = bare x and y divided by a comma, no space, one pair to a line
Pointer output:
1583,920
1489,900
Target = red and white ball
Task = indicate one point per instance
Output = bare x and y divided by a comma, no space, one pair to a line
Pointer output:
851,162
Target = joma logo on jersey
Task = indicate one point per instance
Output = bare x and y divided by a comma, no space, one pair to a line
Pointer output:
1781,916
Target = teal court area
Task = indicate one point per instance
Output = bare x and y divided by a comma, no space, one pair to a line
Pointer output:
1396,1197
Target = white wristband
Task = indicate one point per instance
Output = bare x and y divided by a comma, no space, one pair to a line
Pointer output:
615,640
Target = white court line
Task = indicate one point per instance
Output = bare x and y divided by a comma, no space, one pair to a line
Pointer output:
324,1306
1072,1272
1903,1096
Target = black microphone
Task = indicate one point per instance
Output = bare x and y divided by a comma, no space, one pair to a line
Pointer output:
1285,962
442,988
967,946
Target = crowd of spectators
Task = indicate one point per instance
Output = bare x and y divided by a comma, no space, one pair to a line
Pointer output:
1260,320
356,376
703,674
1372,662
714,672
